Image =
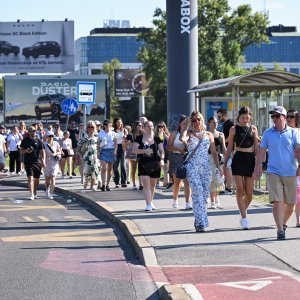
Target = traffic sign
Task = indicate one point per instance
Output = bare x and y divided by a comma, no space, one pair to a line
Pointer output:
69,106
86,92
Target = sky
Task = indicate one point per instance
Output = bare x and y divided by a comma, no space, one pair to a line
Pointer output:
90,14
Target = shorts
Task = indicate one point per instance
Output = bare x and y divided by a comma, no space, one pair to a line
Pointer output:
33,170
282,188
107,155
2,159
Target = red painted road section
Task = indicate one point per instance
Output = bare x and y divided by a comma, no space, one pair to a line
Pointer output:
225,282
96,263
213,282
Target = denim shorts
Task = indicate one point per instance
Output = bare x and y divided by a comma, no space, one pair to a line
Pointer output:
107,155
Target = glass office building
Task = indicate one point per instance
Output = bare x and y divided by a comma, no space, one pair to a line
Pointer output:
105,44
283,49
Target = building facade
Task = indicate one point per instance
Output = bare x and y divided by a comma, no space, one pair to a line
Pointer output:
105,44
283,49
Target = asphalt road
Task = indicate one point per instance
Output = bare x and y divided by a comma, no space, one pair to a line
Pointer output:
57,249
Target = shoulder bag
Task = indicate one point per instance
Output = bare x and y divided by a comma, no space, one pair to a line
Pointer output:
56,157
153,166
181,170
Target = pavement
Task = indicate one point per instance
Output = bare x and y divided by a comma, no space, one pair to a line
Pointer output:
225,262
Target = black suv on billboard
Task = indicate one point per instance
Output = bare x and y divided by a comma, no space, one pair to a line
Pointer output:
49,103
7,48
46,48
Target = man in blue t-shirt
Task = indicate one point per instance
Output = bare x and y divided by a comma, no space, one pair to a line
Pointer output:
283,145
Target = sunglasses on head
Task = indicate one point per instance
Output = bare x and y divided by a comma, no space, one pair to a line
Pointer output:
277,116
290,116
196,120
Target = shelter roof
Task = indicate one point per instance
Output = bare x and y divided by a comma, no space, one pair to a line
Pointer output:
252,82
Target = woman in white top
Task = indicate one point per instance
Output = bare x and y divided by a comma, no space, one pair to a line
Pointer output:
13,144
177,149
68,153
121,134
108,150
53,155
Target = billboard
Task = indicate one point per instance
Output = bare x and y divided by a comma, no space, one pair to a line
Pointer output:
37,47
39,98
130,83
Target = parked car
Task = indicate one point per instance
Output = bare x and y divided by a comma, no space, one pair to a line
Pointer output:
46,48
49,103
6,48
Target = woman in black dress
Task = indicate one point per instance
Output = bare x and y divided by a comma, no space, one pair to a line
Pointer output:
148,146
244,137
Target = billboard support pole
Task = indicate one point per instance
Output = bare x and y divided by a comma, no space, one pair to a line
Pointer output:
84,116
67,122
141,106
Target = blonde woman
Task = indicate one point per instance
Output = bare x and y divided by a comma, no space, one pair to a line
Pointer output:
88,146
199,172
147,146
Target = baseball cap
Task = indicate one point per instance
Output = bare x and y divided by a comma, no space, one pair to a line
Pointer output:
50,133
97,122
279,110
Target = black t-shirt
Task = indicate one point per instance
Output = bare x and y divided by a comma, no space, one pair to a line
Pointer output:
146,158
226,126
36,145
73,133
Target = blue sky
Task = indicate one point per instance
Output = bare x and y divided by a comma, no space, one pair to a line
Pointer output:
89,14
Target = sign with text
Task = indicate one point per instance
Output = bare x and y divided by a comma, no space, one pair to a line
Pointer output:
40,98
37,47
130,83
86,92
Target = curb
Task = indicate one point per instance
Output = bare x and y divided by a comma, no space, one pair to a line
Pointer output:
142,247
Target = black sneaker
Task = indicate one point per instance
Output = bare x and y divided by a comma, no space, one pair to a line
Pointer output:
141,187
280,235
107,188
222,193
73,174
228,191
102,188
284,227
169,185
124,185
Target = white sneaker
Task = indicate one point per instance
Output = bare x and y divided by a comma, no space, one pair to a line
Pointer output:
148,207
213,205
188,206
31,197
245,223
50,196
19,173
35,196
175,204
153,206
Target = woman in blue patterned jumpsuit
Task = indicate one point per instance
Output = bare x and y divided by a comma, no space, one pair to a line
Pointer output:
198,167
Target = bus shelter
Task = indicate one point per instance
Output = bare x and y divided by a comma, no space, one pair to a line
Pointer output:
264,90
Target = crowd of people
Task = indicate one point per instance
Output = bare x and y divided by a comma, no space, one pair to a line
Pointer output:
226,152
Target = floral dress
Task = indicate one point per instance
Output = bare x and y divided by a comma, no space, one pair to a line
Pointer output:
199,177
90,160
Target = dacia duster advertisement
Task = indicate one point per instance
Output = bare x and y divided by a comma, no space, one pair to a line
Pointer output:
37,47
39,98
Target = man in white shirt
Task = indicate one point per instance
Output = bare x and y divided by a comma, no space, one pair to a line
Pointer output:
13,144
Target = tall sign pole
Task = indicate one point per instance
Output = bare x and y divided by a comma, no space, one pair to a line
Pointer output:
182,57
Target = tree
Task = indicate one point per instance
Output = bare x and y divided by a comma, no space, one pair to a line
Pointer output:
109,69
223,36
154,56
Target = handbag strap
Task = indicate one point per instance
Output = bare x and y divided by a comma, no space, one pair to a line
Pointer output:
193,152
244,137
50,148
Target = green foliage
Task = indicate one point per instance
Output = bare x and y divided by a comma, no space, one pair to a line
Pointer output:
108,69
1,89
223,36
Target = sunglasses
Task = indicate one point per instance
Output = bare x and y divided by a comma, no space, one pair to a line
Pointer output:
291,116
275,116
90,127
160,126
196,120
